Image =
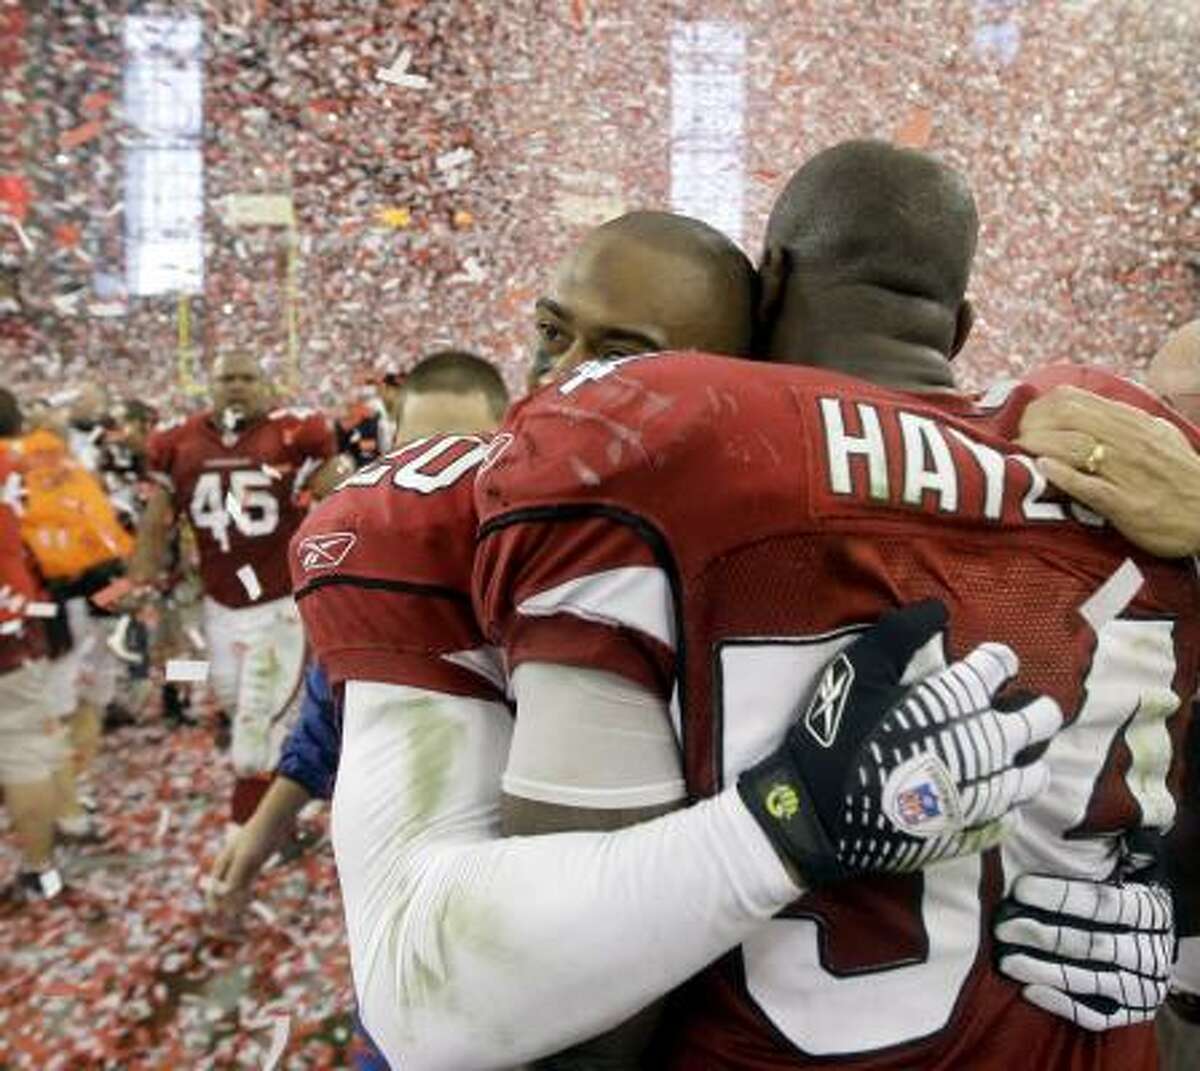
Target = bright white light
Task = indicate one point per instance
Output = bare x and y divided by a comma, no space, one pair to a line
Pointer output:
708,108
162,100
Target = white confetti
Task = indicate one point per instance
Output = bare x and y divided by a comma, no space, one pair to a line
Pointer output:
472,272
455,158
63,397
184,669
118,641
195,638
398,74
164,820
249,579
265,913
22,237
279,1039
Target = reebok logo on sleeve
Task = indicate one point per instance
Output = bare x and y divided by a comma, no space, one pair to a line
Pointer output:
325,551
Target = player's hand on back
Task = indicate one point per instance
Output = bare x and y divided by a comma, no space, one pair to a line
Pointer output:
875,776
1097,954
1138,471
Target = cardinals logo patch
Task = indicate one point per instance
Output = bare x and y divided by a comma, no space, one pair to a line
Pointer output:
325,551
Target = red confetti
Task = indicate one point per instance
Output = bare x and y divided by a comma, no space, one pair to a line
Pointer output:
81,134
94,103
67,235
914,132
15,196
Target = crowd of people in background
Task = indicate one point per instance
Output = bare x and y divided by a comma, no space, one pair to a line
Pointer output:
84,655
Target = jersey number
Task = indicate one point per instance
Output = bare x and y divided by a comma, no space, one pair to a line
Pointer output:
247,504
901,991
424,465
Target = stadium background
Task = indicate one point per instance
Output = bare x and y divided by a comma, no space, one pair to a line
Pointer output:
1077,121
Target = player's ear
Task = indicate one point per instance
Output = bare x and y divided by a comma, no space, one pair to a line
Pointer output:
773,271
962,326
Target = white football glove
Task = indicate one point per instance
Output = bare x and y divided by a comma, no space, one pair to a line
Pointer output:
1093,953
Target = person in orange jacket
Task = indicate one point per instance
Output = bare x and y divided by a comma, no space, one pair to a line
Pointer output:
79,546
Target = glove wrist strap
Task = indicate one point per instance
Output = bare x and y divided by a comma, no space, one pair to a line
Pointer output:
788,815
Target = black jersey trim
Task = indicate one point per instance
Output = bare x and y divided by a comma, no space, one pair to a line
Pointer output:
406,587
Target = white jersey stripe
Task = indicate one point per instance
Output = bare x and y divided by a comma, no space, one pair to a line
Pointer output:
483,662
632,596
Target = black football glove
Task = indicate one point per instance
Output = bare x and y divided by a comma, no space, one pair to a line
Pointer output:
1096,954
877,777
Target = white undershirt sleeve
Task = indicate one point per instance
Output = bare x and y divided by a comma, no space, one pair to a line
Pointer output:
470,951
587,738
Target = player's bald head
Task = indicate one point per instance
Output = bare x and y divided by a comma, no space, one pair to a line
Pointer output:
889,216
1174,371
869,239
646,281
238,383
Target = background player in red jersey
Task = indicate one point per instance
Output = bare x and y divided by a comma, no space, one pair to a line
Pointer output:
441,783
234,473
448,393
563,556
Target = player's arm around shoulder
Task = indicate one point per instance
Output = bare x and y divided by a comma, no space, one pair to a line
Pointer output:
631,774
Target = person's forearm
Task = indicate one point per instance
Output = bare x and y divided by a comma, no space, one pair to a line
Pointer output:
146,561
461,941
278,808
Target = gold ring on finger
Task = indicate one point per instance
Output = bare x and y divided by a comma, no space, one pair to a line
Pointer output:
1095,458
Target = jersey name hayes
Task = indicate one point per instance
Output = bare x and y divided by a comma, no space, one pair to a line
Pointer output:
939,467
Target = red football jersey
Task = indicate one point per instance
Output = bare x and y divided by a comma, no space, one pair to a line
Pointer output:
382,573
21,637
722,530
238,490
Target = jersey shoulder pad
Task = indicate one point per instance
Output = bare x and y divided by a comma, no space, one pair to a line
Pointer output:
1097,380
393,522
611,431
171,425
294,413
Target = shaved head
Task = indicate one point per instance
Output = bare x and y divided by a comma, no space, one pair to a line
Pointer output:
1174,371
644,282
239,387
868,252
892,217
